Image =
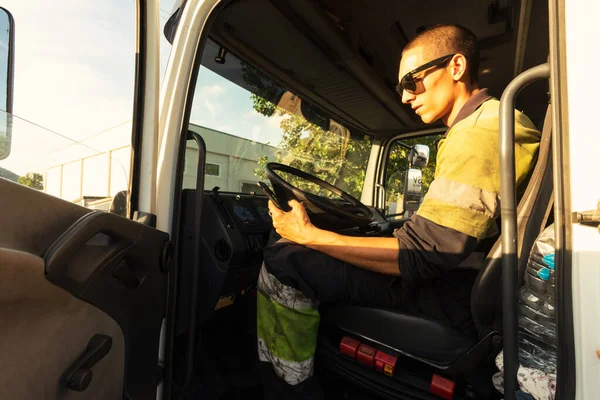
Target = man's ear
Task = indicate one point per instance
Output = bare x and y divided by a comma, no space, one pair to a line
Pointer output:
458,67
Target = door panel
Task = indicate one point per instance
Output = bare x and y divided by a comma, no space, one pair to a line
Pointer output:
44,330
28,218
66,274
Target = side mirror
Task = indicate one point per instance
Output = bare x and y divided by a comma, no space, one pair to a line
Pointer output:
419,155
7,36
412,189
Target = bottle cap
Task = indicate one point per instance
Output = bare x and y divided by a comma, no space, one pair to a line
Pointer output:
549,261
544,274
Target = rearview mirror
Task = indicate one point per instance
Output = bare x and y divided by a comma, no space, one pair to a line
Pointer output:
419,155
6,80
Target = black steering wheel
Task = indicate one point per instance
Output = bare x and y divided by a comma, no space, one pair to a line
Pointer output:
323,212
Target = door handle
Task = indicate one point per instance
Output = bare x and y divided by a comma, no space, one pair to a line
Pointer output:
79,376
71,245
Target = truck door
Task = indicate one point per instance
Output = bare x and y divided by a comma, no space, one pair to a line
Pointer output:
82,284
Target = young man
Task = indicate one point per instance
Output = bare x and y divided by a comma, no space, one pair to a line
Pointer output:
417,270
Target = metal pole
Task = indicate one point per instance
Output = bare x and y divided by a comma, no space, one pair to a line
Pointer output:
509,223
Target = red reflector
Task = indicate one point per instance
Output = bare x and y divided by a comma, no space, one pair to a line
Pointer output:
442,387
348,346
385,363
366,355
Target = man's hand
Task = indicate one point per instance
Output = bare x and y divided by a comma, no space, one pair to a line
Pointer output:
378,254
293,225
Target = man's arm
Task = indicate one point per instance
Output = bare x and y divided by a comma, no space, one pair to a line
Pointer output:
378,254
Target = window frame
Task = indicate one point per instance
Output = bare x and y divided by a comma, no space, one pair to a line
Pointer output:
386,148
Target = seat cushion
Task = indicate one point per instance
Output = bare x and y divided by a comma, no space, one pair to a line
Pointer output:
413,335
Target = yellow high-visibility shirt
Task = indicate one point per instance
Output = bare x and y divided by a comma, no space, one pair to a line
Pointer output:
465,194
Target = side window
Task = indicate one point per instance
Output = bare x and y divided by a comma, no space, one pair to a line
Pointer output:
405,189
72,116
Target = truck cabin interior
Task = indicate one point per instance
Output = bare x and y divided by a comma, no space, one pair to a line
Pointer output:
341,57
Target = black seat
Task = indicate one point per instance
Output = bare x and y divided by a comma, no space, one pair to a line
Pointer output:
416,334
441,346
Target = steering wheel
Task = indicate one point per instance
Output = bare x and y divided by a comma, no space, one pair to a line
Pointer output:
323,212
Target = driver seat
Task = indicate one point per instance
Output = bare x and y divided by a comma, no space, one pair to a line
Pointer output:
443,347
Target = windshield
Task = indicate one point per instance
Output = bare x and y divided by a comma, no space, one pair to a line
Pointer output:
248,120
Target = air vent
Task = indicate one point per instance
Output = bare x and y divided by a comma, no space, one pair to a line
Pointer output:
222,250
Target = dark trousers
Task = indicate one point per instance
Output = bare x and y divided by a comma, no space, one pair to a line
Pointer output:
295,280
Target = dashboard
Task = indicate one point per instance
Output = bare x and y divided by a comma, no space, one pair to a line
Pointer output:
245,222
249,211
235,228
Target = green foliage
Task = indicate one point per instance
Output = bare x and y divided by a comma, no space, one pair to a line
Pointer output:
398,164
333,156
398,160
260,171
262,106
33,180
264,91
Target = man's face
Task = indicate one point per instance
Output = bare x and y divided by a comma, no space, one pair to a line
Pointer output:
433,98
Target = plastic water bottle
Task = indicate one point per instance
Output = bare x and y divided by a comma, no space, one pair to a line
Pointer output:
537,314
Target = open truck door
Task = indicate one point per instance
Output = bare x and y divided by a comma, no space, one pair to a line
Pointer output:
82,292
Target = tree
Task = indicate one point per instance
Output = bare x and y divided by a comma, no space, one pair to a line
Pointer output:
336,157
33,180
398,164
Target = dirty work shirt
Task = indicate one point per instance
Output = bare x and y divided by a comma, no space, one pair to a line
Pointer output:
458,211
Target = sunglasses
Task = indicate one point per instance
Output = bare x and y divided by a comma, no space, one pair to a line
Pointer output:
408,81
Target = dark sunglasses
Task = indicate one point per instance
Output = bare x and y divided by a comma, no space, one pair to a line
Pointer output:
408,81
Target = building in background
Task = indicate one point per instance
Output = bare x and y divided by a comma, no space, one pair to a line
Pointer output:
93,171
230,161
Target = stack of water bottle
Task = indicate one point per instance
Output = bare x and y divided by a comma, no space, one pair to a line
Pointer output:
537,317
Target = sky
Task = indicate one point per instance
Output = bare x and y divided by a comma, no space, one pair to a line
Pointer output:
4,28
73,73
73,64
224,106
74,76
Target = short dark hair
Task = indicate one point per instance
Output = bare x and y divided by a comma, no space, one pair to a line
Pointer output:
439,40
